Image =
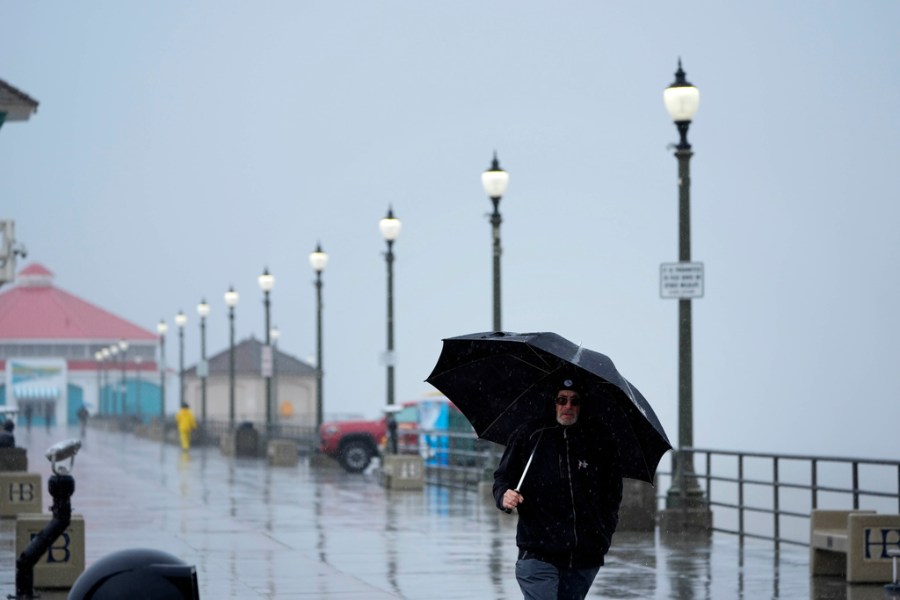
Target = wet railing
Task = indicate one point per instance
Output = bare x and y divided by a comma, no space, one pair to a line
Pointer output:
770,496
751,494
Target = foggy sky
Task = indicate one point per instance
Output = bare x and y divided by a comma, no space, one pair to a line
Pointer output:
180,148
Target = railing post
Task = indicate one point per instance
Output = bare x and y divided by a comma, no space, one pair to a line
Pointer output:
814,478
855,485
776,508
741,496
709,477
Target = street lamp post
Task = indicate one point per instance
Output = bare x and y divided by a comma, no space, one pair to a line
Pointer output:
318,259
137,384
161,329
203,368
231,299
181,321
98,359
114,387
390,229
274,334
266,283
105,401
682,100
123,349
495,180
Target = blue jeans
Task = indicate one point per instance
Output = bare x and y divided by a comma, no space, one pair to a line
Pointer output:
540,580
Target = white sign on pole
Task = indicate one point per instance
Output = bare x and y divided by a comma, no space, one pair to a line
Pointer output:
203,368
682,280
266,366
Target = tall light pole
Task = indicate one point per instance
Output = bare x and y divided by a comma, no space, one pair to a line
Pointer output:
98,361
181,321
123,349
203,368
105,400
682,100
114,401
161,329
495,180
274,334
231,300
390,229
318,259
266,283
137,384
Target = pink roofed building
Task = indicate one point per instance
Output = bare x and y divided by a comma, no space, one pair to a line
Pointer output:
59,352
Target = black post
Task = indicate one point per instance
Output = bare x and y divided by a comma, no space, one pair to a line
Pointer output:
389,258
162,376
231,368
268,374
61,488
319,377
124,386
205,372
180,365
495,226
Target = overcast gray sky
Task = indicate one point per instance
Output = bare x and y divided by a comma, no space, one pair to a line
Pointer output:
179,148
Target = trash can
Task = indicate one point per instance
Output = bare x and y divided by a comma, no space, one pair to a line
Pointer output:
246,440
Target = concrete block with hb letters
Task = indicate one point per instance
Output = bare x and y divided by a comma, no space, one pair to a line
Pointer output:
869,537
283,453
402,472
63,562
20,492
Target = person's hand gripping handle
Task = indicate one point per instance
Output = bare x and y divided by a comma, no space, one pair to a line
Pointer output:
511,499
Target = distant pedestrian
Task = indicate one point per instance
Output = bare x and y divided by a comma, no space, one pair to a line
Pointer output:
7,438
48,415
83,418
186,424
29,411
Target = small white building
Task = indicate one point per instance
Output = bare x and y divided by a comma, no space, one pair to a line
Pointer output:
293,387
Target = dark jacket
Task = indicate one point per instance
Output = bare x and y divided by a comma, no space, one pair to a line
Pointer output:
571,492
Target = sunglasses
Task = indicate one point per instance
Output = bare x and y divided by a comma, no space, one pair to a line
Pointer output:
562,401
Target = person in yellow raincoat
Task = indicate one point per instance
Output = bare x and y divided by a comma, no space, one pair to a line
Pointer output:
186,424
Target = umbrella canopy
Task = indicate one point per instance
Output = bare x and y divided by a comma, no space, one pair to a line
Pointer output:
500,380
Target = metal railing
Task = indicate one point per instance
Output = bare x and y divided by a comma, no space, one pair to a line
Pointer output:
771,496
754,495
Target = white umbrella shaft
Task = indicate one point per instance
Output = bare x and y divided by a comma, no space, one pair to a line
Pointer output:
525,471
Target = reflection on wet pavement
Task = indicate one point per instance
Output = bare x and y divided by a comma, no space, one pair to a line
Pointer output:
255,531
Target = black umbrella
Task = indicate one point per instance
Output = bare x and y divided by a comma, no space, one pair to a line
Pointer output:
501,380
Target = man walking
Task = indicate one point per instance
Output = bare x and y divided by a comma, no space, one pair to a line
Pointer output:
568,504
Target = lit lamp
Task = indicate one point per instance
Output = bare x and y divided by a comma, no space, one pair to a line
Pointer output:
318,259
203,367
495,180
390,229
231,300
682,100
266,283
161,329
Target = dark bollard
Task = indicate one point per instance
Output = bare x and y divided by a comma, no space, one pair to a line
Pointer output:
137,573
61,486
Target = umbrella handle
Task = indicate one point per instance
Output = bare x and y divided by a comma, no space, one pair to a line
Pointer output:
509,510
524,472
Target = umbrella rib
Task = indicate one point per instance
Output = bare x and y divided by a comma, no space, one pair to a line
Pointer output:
516,399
